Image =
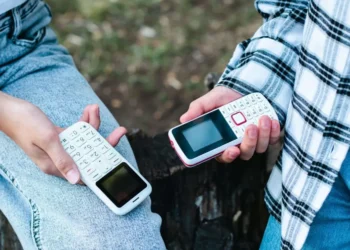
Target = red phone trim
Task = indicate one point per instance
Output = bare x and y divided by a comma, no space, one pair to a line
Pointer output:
188,165
245,119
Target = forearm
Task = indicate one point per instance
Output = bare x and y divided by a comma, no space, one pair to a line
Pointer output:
9,107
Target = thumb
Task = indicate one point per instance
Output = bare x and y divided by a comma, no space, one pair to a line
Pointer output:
199,107
203,105
63,162
217,97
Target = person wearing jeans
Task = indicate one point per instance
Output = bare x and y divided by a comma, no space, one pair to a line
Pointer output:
41,93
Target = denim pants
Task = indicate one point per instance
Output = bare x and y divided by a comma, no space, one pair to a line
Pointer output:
331,226
46,211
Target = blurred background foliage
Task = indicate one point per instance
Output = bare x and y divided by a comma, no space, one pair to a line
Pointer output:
146,59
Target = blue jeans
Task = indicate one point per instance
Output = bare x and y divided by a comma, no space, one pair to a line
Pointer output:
45,211
331,226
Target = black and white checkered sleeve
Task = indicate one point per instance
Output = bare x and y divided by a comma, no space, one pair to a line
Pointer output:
267,62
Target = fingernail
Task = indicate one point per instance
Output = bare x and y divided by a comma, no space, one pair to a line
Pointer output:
98,111
252,133
264,123
73,176
233,155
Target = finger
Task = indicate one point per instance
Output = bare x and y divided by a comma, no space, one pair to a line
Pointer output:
217,97
43,161
81,183
85,116
63,162
248,144
48,167
264,134
94,116
197,108
59,130
229,155
275,132
202,105
115,136
91,115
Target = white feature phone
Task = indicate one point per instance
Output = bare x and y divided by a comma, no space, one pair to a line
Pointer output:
108,174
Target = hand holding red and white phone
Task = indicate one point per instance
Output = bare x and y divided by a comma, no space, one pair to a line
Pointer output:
256,138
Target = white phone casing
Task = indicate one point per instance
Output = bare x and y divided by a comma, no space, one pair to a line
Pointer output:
75,139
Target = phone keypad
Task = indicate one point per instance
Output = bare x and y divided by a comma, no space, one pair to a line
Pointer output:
84,163
103,148
76,155
95,176
73,134
64,141
111,155
90,134
234,106
70,148
115,160
93,155
86,148
79,141
83,128
89,170
247,110
97,141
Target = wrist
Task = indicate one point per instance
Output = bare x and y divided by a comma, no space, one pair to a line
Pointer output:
6,104
3,98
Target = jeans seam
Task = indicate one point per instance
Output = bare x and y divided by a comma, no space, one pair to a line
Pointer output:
36,220
23,15
30,43
17,19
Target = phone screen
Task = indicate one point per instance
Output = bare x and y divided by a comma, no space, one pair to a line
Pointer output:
121,184
194,135
203,134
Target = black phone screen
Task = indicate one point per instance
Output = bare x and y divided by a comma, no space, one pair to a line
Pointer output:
121,184
203,134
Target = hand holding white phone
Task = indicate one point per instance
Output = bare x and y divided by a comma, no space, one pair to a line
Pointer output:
107,173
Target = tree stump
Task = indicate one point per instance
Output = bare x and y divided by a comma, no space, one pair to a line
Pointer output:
211,206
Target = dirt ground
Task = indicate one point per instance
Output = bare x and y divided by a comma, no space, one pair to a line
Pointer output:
147,59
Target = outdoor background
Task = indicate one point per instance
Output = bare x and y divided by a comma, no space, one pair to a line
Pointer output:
147,59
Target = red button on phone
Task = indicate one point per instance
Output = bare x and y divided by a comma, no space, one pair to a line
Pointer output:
238,118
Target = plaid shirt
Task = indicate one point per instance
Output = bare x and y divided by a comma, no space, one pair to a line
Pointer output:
300,60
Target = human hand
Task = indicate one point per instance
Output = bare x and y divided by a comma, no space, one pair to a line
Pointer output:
256,138
29,127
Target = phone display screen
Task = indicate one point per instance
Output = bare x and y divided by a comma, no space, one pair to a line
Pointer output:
194,135
121,185
203,134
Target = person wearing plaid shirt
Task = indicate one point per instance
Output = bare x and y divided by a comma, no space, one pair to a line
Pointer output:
299,59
